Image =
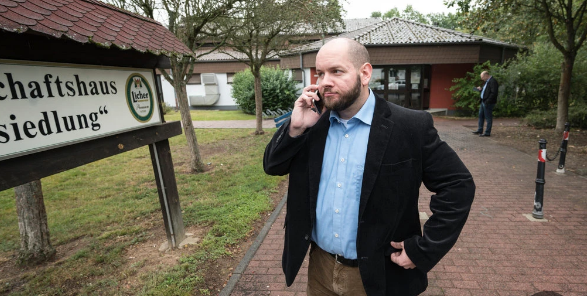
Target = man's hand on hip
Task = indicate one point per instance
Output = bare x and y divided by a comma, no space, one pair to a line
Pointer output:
400,258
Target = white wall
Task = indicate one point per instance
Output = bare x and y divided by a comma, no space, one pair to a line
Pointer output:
305,82
225,100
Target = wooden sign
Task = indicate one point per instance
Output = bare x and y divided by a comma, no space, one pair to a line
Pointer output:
49,105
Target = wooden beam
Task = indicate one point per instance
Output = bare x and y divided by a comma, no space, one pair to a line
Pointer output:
24,169
163,168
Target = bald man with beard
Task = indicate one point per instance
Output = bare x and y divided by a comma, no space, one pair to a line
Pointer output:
355,172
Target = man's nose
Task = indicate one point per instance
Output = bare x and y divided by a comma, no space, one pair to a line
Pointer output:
325,81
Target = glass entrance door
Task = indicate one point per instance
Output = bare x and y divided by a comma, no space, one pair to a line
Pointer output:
401,85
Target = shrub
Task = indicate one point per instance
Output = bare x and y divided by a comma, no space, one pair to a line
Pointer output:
278,90
466,99
577,116
165,108
541,119
548,119
529,82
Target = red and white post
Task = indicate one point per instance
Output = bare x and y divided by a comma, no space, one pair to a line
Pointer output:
561,167
540,181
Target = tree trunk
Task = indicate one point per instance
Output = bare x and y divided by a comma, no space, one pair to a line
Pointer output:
258,102
35,244
196,164
563,95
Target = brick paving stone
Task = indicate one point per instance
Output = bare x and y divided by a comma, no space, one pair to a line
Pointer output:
457,292
483,292
500,252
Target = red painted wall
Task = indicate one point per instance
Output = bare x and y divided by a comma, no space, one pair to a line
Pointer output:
441,77
313,77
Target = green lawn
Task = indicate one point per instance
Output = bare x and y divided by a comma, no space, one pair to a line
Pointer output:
109,205
210,115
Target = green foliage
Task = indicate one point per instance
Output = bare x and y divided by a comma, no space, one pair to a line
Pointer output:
561,23
448,21
211,115
548,118
577,116
440,19
412,15
278,89
466,99
541,119
529,82
166,109
93,208
523,21
408,14
394,12
532,80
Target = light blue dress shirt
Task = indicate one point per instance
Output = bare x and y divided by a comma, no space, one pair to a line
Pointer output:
483,89
337,208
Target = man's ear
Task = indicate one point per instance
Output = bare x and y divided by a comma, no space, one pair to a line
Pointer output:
365,73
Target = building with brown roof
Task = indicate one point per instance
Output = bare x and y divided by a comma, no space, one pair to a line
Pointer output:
226,62
414,64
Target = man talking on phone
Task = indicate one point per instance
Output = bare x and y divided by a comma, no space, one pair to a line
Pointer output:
355,173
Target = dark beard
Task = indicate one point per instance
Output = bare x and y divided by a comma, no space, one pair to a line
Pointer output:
347,99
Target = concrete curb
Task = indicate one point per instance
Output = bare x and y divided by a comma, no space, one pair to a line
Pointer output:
228,289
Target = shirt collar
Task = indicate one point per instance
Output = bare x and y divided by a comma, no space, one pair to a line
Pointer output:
365,114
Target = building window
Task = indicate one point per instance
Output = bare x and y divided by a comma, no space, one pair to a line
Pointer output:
195,79
297,75
230,78
402,85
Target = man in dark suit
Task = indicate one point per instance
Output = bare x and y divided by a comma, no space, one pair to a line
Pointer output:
355,174
488,99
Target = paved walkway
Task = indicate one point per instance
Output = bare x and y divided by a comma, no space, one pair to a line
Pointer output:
500,251
266,123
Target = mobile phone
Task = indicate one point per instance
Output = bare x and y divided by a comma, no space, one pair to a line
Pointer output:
318,104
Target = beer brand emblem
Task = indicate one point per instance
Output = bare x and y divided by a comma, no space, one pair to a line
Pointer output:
139,97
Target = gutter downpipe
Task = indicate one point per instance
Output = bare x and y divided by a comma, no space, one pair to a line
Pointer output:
302,69
502,56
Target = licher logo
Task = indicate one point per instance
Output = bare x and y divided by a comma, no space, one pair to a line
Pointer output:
139,97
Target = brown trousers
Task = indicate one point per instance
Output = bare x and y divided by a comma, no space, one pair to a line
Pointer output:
326,277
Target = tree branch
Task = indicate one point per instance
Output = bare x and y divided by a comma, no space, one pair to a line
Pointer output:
581,41
550,29
166,75
579,15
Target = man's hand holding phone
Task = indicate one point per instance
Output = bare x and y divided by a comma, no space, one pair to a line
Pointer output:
303,115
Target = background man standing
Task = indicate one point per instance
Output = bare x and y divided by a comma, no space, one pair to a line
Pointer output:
488,97
355,174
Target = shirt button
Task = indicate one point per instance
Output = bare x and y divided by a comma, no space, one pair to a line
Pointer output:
339,185
346,135
336,235
342,159
337,211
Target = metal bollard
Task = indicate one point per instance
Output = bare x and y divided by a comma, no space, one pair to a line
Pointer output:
540,181
561,167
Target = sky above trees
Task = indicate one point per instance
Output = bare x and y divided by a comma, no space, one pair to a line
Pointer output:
364,8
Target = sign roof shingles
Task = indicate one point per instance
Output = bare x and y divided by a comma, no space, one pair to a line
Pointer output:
90,21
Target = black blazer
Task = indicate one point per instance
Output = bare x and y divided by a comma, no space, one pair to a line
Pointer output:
491,92
403,151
